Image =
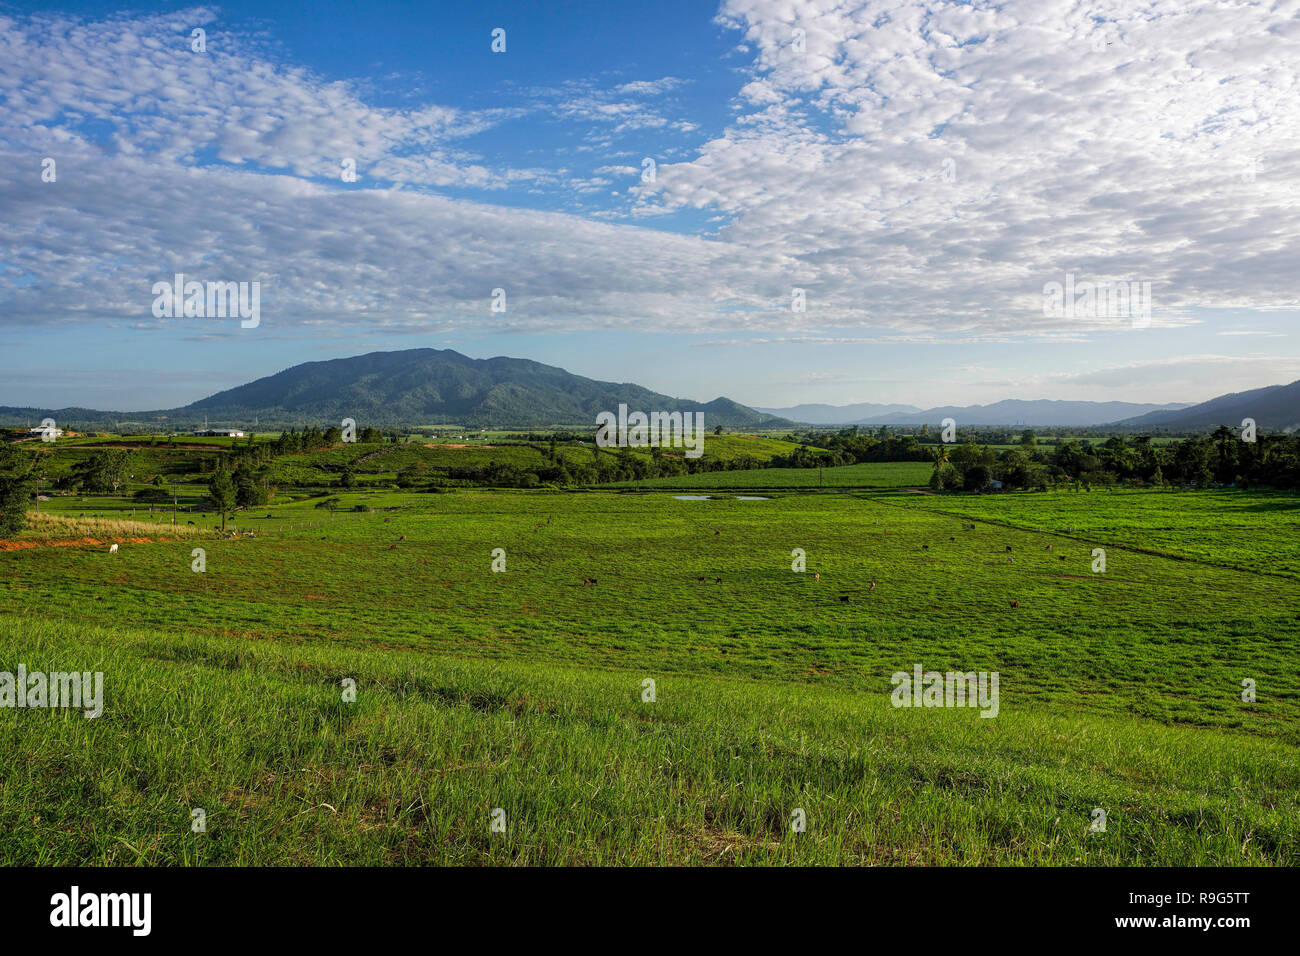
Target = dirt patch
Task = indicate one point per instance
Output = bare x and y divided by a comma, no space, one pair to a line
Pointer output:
74,542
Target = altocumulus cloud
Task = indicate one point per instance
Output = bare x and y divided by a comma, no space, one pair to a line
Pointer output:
941,161
916,167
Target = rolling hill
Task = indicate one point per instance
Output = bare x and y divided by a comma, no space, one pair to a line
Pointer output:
1274,407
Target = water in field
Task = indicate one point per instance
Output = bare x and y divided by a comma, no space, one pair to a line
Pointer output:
693,497
751,498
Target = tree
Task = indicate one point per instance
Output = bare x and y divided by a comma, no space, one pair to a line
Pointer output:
221,494
977,478
15,491
104,471
247,491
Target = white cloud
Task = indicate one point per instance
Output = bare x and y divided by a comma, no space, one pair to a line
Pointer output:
1169,155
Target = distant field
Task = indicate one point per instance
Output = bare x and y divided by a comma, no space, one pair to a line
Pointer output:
887,474
522,689
190,461
1253,531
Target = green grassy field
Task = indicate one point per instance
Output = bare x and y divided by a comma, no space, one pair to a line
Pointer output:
523,690
1249,531
885,474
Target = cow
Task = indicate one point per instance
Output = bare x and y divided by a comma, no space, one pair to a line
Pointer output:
112,549
873,586
1008,547
1015,604
844,599
925,547
700,579
817,576
586,581
717,580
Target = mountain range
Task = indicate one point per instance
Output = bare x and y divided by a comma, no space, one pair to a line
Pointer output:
1276,407
439,386
416,387
1036,413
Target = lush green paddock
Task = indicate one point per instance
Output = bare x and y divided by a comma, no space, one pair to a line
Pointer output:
1253,531
521,689
258,736
884,474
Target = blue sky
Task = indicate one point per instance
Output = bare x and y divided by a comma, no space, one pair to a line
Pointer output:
920,170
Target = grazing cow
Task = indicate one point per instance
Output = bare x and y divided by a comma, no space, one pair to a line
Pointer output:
873,586
586,581
1015,604
392,547
817,576
925,547
1011,560
717,532
951,538
1062,557
112,549
844,599
700,578
189,522
1008,547
717,580
402,538
1049,547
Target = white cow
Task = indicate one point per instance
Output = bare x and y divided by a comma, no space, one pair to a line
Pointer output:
112,549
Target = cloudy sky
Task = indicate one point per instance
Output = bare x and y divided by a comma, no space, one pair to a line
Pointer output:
649,187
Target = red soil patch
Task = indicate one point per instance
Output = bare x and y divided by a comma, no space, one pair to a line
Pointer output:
74,542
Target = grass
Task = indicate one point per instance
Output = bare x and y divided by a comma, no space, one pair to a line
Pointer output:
1253,531
886,474
521,690
258,736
